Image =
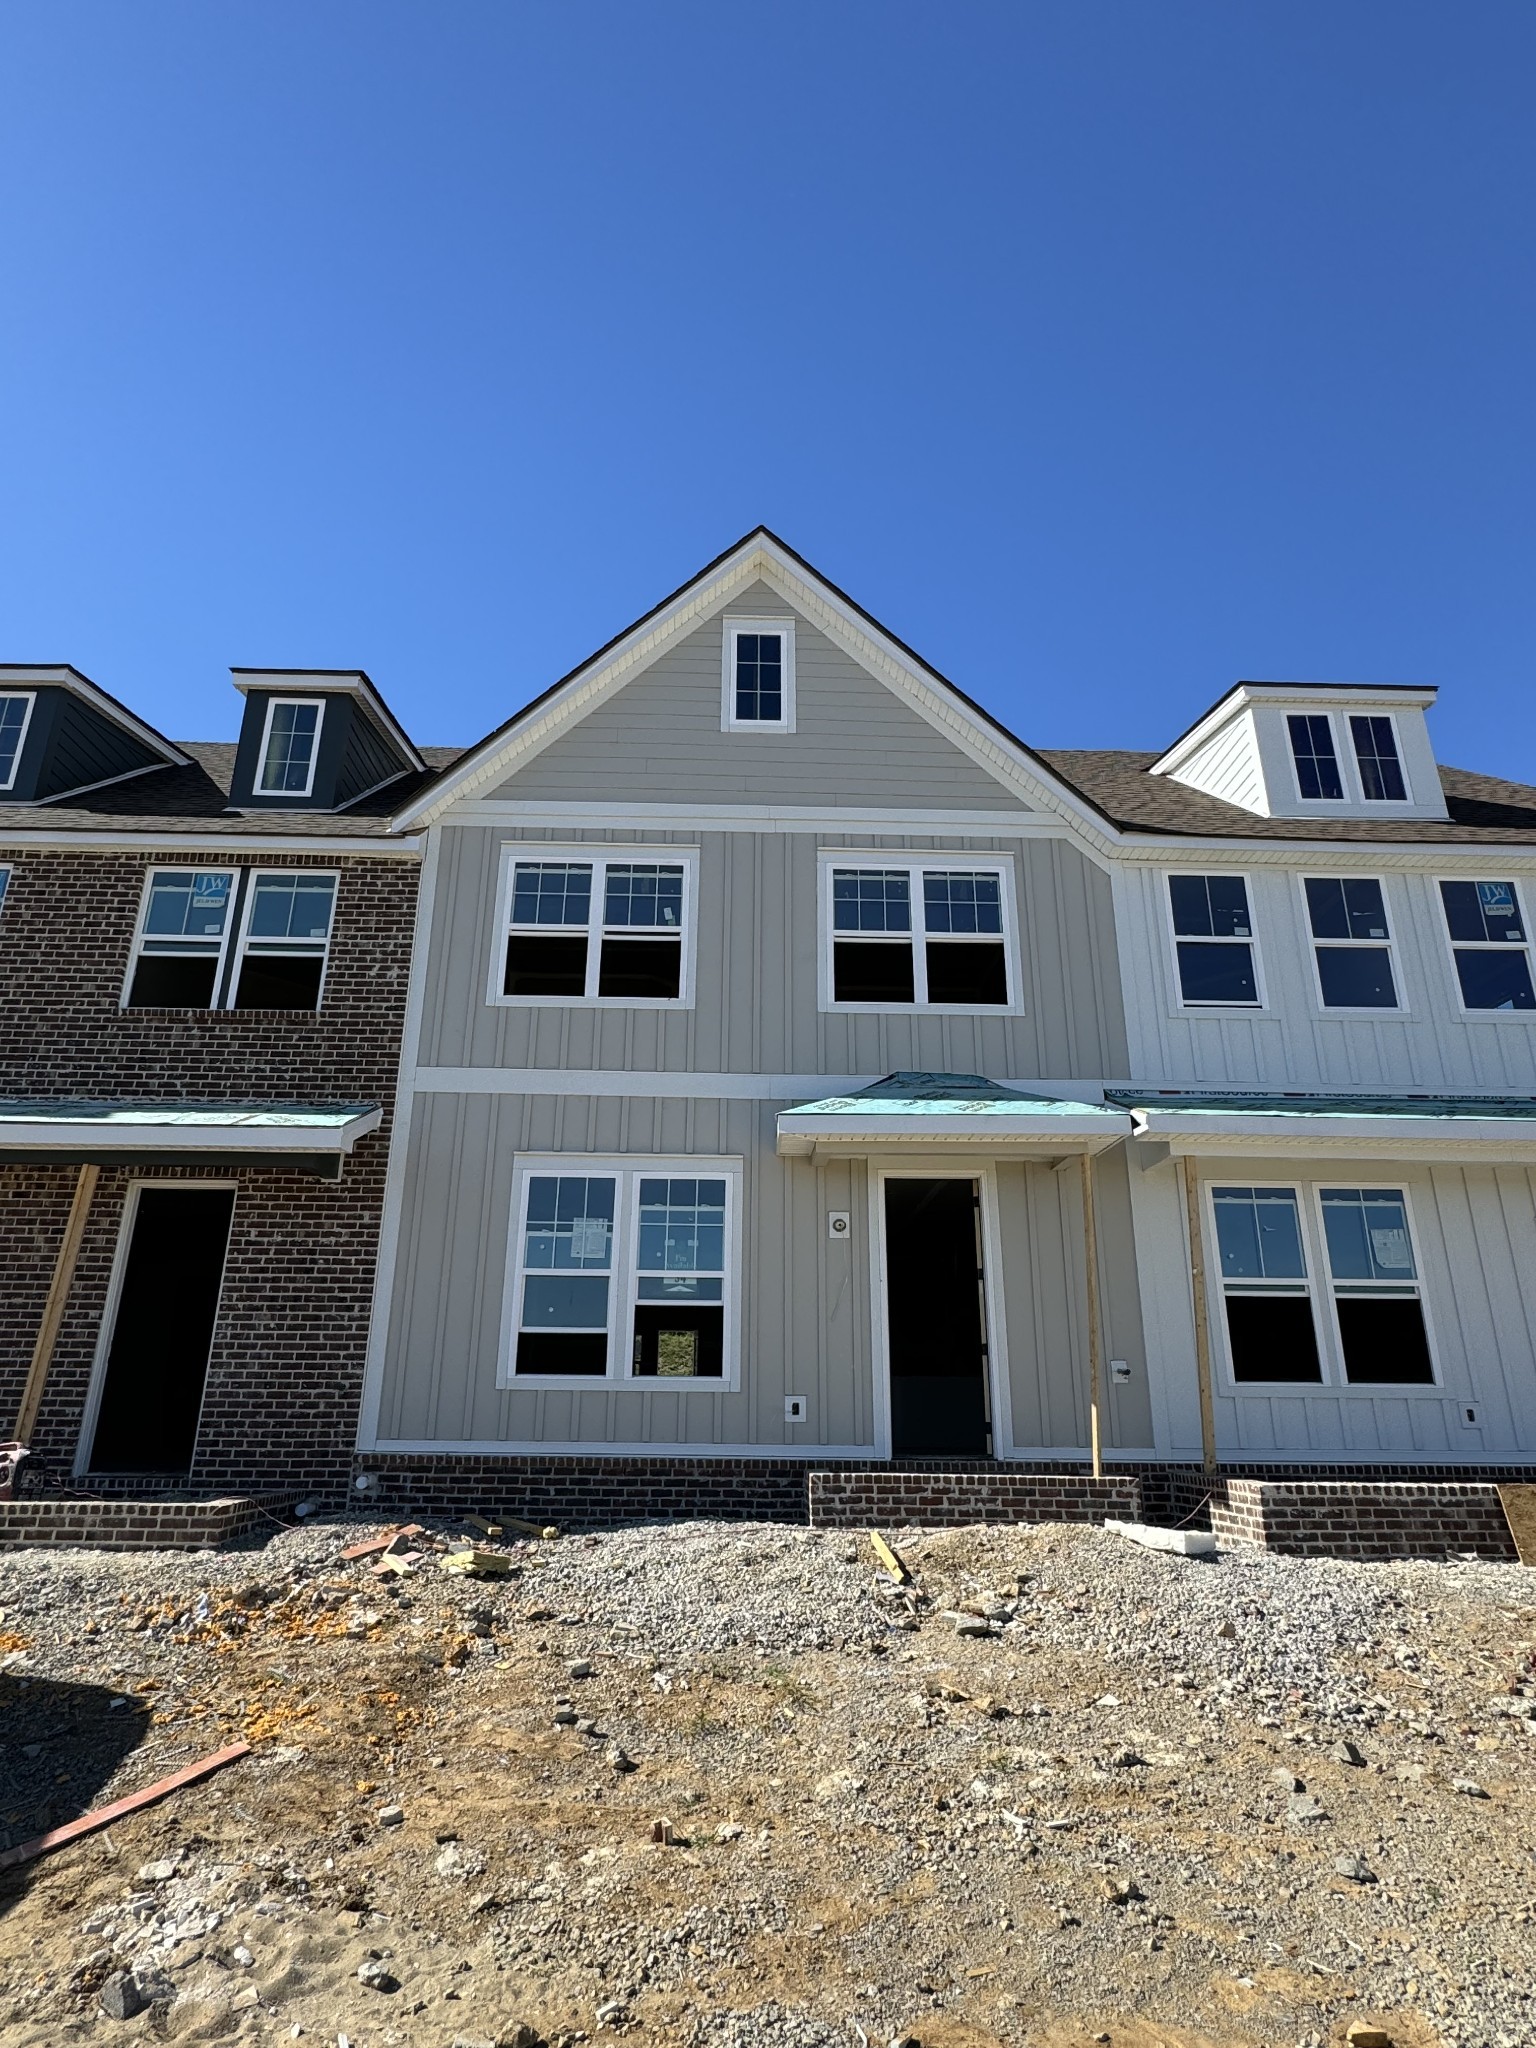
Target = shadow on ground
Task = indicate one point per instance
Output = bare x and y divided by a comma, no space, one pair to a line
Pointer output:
60,1744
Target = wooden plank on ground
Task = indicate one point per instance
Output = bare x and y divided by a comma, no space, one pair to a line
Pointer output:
24,1852
890,1558
1519,1504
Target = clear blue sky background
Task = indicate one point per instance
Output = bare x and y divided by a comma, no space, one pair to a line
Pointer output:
1108,353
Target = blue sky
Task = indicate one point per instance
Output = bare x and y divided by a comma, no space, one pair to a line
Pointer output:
1107,353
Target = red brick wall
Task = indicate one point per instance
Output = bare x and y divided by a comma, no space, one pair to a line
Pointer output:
286,1366
938,1499
137,1524
1361,1519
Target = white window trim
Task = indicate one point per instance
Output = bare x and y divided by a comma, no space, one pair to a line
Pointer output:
288,948
736,624
1176,938
1321,1288
626,1169
1375,804
1490,873
221,959
30,699
597,856
258,787
1342,755
1388,946
106,1328
916,865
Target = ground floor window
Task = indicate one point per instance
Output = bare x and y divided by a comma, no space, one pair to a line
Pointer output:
1320,1283
623,1271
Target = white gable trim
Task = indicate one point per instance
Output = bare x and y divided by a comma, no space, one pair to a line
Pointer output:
760,558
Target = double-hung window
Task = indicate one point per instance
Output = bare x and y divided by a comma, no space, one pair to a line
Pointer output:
1366,1317
231,938
623,1271
290,741
1213,942
926,934
607,929
758,685
1315,756
1351,943
15,717
1490,942
1376,757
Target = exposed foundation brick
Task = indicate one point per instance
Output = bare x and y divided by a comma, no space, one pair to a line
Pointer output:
1361,1519
947,1499
137,1524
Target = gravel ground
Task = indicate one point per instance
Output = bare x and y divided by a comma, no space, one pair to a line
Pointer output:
1062,1789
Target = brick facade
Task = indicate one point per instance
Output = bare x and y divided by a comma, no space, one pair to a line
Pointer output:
137,1524
1361,1519
285,1372
950,1499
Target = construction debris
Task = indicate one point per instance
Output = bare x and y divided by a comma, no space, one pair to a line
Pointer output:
488,1564
386,1540
90,1823
890,1558
546,1532
1178,1542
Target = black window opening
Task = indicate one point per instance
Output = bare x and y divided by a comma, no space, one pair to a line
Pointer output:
919,936
1371,1263
759,678
610,929
1381,773
1491,945
566,1274
1271,1327
1316,758
1351,943
162,1333
1213,939
241,939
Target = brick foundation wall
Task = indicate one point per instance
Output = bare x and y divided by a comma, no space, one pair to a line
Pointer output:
949,1499
137,1524
285,1372
595,1491
1361,1519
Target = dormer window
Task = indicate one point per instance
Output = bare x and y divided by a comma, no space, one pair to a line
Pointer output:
15,716
759,679
1317,761
289,744
1381,772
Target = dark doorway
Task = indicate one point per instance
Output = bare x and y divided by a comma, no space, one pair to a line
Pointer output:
935,1331
163,1330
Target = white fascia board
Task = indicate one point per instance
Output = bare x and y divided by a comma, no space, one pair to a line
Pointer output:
747,816
18,837
1168,850
297,682
1310,697
758,558
62,677
52,1134
802,1136
1363,1136
585,1448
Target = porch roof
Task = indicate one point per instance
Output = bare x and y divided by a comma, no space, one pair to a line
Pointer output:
1397,1126
949,1110
301,1136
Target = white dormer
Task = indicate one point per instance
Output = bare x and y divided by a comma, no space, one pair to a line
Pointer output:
1313,750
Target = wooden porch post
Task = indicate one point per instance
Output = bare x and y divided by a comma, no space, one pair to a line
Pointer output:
54,1306
1202,1325
1091,1249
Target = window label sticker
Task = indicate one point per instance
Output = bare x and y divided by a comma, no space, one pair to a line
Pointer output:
1390,1248
1497,898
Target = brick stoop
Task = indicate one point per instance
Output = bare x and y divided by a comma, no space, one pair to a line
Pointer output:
1361,1519
112,1524
951,1499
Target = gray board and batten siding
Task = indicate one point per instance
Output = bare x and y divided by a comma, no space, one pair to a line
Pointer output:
807,1301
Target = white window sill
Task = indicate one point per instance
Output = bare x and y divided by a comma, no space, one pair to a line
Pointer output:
922,1010
611,1383
590,1002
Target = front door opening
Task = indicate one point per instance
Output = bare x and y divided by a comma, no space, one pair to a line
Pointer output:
157,1358
936,1332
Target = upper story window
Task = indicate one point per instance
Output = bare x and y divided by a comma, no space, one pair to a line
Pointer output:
608,929
1315,756
290,742
1213,942
623,1271
1351,943
1376,756
230,938
759,679
920,934
1490,942
15,717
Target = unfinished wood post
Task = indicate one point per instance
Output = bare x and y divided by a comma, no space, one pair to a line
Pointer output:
54,1306
1202,1324
1091,1249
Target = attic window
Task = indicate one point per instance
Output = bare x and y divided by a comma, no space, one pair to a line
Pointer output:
1381,772
1316,758
759,678
289,743
15,716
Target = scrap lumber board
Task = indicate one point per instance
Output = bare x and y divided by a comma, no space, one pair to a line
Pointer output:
1519,1505
88,1824
890,1558
378,1543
